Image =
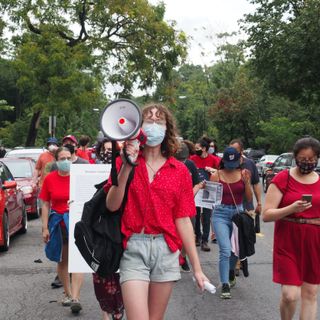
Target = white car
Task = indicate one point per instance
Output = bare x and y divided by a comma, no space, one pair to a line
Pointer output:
32,153
265,162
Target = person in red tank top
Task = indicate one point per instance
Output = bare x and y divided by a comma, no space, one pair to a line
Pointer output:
236,186
296,252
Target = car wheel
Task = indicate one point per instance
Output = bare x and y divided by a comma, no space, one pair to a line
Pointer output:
6,237
24,222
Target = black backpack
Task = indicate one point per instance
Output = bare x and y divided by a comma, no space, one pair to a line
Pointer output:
98,233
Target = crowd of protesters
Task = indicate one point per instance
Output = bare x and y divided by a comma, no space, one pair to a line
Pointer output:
170,173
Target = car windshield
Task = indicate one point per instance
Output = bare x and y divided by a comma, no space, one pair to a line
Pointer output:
271,158
20,169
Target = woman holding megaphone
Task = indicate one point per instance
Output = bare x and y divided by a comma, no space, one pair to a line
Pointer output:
156,218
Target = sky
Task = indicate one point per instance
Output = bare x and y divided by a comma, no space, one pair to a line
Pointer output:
203,20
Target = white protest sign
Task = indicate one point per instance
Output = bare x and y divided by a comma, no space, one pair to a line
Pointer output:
83,178
210,195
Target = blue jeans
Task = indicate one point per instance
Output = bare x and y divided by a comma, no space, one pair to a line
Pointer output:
222,223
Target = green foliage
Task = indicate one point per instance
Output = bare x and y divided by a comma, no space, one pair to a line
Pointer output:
64,51
285,44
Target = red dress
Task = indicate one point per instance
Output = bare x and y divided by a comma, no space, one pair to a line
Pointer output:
296,249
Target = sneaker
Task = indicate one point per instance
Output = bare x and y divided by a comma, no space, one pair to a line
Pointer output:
66,301
232,278
197,243
185,267
75,306
225,291
56,283
205,247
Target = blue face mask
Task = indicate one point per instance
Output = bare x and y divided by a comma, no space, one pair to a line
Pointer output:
64,165
155,133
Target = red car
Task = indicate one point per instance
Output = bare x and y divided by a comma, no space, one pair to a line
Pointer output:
22,170
13,215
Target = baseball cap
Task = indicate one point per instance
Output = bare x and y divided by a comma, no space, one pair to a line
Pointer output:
52,140
71,137
231,158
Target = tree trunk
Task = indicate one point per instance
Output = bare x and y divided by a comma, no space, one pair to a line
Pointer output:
33,129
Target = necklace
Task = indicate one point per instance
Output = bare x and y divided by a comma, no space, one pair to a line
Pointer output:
154,172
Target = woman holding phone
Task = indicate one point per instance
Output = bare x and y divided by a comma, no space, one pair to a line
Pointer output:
296,254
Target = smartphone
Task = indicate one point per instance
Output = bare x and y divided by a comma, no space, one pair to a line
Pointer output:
307,197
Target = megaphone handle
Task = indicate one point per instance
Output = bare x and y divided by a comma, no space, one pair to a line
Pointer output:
128,158
114,173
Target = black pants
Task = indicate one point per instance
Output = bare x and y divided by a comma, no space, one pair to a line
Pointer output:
206,215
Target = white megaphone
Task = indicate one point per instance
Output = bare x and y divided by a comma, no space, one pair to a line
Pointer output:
121,120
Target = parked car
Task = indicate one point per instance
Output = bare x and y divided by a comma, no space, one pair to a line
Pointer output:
283,162
254,154
265,162
20,152
22,170
13,215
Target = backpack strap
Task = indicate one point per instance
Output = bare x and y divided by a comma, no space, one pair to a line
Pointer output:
125,197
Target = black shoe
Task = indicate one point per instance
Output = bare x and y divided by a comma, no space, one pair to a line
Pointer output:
232,278
205,247
56,283
225,291
185,267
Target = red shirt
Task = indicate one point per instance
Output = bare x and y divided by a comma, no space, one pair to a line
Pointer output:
84,154
292,191
55,189
155,206
209,161
41,165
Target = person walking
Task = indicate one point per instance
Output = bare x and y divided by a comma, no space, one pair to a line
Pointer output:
249,164
156,218
55,194
236,186
206,164
296,253
182,155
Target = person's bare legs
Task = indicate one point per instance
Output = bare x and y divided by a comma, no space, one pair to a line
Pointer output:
309,293
76,284
288,303
62,270
159,295
135,299
105,315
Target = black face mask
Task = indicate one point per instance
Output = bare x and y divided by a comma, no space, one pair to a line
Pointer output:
70,147
106,157
199,152
306,167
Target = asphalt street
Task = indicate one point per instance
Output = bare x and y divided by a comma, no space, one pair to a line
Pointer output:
26,293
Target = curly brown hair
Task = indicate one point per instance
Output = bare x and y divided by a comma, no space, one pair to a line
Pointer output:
170,144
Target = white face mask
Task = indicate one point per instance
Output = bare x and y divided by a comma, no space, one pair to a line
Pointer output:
52,147
155,133
211,150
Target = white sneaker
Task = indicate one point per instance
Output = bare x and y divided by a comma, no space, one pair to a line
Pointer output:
66,301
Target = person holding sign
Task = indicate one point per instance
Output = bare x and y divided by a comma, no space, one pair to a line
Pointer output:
156,218
55,194
236,186
206,164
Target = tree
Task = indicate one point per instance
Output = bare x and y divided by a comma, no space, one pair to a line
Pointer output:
124,42
285,46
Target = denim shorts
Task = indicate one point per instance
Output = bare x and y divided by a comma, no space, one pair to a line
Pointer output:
148,258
